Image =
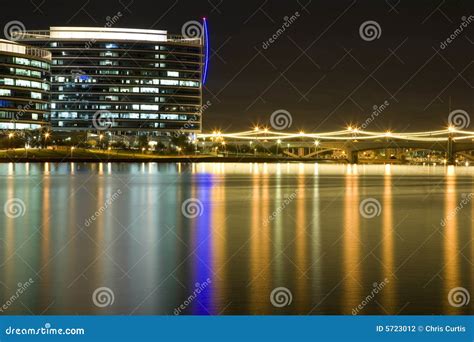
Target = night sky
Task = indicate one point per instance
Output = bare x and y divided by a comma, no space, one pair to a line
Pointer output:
320,69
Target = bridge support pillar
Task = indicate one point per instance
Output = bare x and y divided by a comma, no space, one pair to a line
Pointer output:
352,156
450,157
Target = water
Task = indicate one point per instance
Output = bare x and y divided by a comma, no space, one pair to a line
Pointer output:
248,229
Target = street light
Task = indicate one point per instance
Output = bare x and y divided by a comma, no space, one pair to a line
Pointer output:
10,136
278,144
72,150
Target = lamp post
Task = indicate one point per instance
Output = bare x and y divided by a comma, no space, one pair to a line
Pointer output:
10,136
46,136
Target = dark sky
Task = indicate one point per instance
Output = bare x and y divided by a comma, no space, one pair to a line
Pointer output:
320,70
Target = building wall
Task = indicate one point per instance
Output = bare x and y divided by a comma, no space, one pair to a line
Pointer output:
24,87
125,86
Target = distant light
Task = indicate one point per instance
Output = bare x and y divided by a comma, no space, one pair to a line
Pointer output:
279,141
256,128
388,134
265,130
301,133
451,128
349,128
316,142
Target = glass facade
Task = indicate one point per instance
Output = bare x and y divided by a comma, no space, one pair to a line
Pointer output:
127,84
24,86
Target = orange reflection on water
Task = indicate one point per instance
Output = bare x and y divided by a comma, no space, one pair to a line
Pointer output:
450,235
219,238
388,296
259,239
351,242
302,237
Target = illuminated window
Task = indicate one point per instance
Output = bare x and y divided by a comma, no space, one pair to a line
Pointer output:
36,95
169,82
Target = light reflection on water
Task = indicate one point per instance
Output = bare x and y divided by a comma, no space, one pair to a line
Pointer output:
262,226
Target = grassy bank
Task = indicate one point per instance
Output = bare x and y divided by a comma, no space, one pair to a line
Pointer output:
87,155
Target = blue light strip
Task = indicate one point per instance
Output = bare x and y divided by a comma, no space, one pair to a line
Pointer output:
206,58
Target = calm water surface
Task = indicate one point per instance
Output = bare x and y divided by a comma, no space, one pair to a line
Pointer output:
247,229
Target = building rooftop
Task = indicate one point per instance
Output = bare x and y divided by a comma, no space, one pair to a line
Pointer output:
14,47
106,34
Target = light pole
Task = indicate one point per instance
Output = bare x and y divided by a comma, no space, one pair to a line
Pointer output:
10,136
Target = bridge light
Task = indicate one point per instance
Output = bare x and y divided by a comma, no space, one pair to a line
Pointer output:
316,143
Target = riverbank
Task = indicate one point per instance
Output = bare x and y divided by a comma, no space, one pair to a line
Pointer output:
99,156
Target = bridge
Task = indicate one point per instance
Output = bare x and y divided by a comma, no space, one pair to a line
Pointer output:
349,142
